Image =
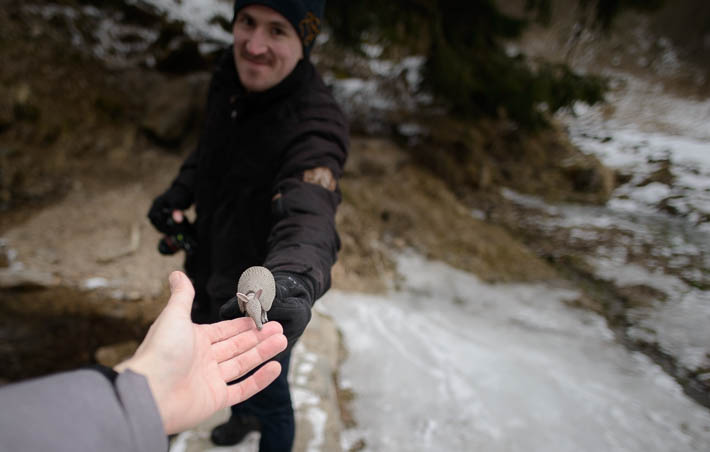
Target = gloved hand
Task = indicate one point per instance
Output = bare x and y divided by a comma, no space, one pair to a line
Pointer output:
160,212
291,307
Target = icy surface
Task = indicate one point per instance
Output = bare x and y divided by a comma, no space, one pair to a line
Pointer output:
450,363
651,128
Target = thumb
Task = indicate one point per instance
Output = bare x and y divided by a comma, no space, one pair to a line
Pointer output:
181,291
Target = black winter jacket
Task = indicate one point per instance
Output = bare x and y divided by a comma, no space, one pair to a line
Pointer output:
246,179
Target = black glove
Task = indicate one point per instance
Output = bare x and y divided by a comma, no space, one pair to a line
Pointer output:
291,307
176,198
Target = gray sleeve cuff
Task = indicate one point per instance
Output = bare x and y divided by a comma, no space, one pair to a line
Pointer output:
81,411
141,411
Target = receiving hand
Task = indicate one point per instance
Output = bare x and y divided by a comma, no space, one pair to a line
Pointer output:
188,365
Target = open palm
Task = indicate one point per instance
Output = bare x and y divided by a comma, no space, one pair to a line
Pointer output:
188,366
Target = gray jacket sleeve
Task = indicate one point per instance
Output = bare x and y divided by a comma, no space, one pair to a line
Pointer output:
80,411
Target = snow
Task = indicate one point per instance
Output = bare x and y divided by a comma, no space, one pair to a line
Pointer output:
650,125
198,15
95,283
305,400
361,93
678,324
447,362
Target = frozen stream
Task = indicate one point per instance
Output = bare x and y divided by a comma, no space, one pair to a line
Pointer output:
450,363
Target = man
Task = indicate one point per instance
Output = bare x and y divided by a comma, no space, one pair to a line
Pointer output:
176,379
264,183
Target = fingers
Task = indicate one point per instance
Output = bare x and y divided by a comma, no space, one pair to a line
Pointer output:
228,328
262,378
241,341
234,368
181,291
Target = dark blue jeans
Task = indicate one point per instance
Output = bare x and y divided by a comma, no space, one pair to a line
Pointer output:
272,407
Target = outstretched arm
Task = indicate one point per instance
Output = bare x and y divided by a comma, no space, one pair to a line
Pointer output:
183,366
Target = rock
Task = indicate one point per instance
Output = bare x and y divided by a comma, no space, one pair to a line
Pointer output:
641,295
591,178
674,205
110,355
662,175
21,278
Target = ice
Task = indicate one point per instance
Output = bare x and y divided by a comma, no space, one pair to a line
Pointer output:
447,362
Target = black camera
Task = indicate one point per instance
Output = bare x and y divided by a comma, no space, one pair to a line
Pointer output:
182,237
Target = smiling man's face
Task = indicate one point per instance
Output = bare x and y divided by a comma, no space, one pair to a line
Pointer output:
266,47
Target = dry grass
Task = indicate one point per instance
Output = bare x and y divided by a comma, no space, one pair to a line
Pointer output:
390,204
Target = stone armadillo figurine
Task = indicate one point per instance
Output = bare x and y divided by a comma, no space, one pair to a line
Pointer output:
255,293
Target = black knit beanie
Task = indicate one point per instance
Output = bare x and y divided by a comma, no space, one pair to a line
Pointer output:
304,15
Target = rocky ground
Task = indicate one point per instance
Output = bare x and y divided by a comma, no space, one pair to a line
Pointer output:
87,141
